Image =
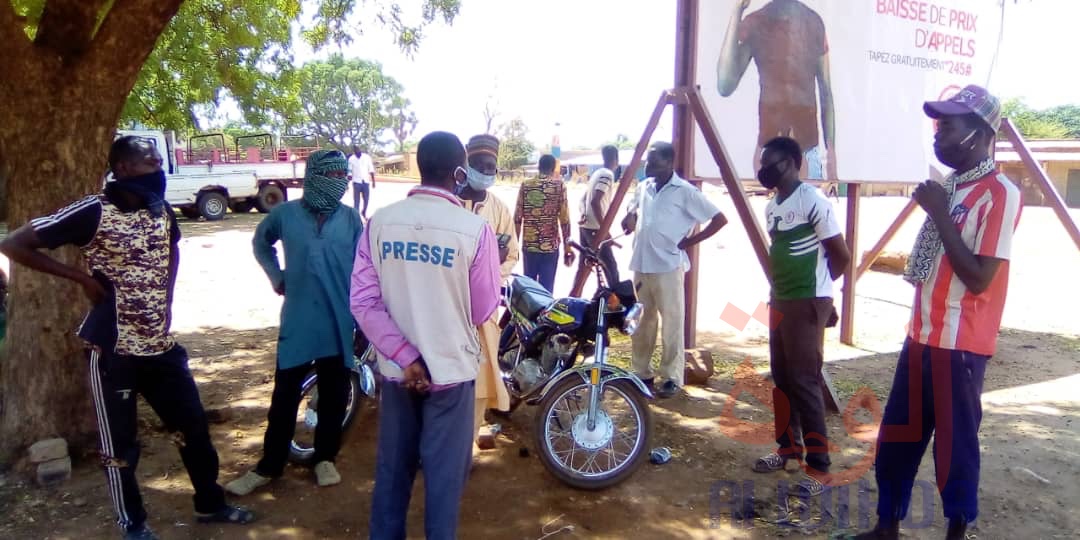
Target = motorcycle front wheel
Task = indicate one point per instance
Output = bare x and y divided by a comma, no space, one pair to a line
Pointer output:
603,456
302,447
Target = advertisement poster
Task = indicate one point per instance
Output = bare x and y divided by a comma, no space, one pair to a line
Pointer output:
845,78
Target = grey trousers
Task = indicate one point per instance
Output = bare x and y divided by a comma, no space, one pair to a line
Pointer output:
436,430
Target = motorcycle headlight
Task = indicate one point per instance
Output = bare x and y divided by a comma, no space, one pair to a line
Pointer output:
632,319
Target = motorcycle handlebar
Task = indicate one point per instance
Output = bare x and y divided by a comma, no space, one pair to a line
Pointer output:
590,251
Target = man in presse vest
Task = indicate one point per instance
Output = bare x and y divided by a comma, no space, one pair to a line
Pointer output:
426,275
960,269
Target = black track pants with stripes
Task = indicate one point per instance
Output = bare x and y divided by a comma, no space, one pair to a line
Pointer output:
167,385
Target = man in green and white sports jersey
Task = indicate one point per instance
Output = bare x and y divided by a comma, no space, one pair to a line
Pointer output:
807,254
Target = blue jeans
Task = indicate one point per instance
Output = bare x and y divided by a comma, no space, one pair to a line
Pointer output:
435,429
360,189
947,385
542,267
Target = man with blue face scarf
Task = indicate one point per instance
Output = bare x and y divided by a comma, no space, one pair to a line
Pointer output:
129,238
319,235
483,152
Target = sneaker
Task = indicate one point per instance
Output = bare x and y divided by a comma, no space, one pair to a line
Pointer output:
667,389
810,487
247,483
326,474
770,462
141,533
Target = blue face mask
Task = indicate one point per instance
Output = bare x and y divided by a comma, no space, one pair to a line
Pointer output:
480,181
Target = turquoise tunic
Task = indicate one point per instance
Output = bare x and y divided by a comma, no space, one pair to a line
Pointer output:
315,317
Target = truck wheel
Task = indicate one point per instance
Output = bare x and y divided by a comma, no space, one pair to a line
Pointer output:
269,196
189,212
241,207
212,205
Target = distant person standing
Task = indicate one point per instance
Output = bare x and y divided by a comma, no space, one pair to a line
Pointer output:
318,235
361,169
662,213
806,255
787,41
960,269
426,275
483,152
542,212
595,205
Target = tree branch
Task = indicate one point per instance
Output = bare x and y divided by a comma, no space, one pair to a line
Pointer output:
67,26
126,38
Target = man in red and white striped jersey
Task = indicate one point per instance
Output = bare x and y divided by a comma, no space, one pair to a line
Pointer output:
960,269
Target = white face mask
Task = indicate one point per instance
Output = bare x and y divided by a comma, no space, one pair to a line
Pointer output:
458,184
480,181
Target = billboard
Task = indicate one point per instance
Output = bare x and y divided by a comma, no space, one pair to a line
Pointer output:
846,78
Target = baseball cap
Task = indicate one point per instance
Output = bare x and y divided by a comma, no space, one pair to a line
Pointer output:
972,99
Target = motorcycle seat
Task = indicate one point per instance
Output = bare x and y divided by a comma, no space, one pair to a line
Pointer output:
528,297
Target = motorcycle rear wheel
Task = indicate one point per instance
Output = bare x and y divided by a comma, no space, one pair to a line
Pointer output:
577,456
302,446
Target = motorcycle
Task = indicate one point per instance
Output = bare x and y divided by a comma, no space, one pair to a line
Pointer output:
594,424
361,386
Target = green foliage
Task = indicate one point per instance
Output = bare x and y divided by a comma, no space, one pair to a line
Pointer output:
622,142
213,47
241,49
1067,116
402,121
1062,122
349,102
515,146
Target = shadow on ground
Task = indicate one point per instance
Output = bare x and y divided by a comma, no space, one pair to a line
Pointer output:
706,491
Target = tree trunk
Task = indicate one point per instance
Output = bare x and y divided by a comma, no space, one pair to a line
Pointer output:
59,107
43,390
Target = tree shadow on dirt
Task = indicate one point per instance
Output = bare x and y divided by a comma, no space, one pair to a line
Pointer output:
194,228
706,491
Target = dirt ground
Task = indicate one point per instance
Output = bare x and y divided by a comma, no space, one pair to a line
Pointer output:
226,316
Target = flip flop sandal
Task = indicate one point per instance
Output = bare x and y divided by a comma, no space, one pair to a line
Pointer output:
228,514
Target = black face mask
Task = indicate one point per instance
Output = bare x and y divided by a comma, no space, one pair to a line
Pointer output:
153,183
770,175
148,188
953,156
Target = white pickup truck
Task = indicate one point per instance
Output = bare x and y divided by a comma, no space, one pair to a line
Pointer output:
209,181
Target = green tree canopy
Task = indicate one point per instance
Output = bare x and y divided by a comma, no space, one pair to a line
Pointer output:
1062,122
515,146
241,49
347,101
402,122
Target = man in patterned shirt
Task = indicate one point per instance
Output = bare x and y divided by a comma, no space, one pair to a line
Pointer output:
807,253
960,269
129,237
541,212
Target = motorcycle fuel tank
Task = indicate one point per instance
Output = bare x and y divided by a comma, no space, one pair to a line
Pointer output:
566,314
